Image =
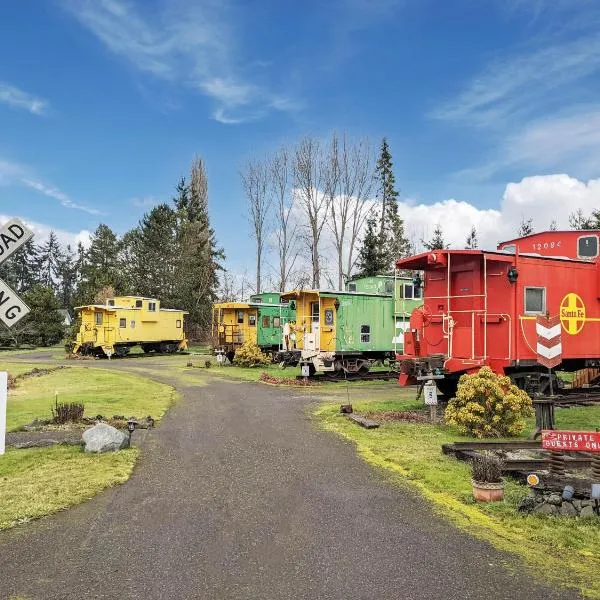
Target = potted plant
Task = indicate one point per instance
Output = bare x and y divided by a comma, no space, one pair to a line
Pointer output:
486,475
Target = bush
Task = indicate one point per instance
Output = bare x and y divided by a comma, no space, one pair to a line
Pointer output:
487,468
208,364
488,405
250,355
64,413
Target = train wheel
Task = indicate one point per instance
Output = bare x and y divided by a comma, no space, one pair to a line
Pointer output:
447,387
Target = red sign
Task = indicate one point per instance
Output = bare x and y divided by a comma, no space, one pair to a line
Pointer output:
576,441
549,341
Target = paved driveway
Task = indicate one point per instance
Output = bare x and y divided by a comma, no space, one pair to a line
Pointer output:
237,495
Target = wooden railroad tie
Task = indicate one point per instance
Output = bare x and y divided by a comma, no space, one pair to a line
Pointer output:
362,421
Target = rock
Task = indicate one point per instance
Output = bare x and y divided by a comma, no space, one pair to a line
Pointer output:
554,499
568,510
586,503
104,438
546,509
527,504
576,504
587,511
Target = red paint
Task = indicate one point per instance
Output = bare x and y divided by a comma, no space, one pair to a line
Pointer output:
473,315
548,343
576,441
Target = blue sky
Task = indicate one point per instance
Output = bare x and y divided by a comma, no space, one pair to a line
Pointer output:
103,103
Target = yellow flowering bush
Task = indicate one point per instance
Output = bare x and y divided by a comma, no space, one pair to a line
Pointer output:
250,355
488,405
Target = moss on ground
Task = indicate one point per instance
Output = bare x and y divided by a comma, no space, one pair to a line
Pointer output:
566,549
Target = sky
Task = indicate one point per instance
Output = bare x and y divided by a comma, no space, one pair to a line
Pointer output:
491,108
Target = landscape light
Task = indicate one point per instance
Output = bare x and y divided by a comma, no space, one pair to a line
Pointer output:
131,425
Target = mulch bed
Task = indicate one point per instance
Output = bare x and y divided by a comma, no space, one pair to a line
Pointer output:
395,415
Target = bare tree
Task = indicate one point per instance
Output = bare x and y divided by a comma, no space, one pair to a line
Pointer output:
286,229
308,167
353,176
255,177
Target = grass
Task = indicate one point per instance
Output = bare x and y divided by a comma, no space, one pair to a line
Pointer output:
103,392
41,481
566,549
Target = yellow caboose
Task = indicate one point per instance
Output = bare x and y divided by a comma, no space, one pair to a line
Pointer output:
126,321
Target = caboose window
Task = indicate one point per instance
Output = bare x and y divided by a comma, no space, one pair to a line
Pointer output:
266,321
178,323
365,334
98,318
122,323
535,300
240,317
252,320
587,246
151,306
389,287
276,321
351,287
111,302
408,291
138,304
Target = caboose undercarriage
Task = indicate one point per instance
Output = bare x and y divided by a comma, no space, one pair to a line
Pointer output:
339,363
122,349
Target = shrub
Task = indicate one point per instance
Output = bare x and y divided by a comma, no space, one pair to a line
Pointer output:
208,364
250,355
67,412
488,405
487,468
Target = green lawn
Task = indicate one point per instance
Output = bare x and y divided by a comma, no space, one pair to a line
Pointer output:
103,392
41,481
568,550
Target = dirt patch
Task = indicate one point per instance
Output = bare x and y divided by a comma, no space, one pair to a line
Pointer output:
37,373
395,415
272,379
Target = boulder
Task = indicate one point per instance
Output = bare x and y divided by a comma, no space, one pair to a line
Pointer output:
546,509
568,510
554,499
104,438
527,504
587,511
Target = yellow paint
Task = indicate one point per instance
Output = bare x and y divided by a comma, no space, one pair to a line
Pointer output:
128,320
327,318
572,313
235,323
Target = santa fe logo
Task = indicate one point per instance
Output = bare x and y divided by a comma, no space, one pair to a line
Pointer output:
12,236
549,341
572,313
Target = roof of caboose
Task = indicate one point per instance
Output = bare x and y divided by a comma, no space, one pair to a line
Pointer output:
423,261
297,293
569,232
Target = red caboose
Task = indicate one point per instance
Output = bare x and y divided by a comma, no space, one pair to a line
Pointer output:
480,307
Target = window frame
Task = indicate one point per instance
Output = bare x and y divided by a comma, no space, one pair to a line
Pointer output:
178,324
252,320
139,304
238,320
99,317
582,237
544,301
276,322
132,324
352,286
411,287
388,286
365,334
122,323
266,322
110,302
151,306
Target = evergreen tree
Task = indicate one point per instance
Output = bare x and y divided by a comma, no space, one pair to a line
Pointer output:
20,271
371,260
49,257
66,273
44,325
526,227
198,259
578,220
152,250
472,241
553,225
437,241
101,266
393,241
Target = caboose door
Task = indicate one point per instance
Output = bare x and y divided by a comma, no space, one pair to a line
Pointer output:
462,326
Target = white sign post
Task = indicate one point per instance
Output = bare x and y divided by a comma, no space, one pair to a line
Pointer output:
430,393
3,398
12,309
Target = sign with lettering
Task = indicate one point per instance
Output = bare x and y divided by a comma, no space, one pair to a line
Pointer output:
575,441
430,392
12,308
12,236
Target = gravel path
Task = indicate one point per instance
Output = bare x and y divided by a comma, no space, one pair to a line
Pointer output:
237,495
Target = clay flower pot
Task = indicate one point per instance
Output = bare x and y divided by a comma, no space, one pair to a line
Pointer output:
484,491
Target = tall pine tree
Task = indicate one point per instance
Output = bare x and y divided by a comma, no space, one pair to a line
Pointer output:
437,241
66,273
472,241
49,257
526,227
392,238
371,260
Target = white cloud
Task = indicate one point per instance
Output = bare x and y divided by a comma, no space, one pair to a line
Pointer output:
542,197
145,202
17,98
41,232
184,42
57,194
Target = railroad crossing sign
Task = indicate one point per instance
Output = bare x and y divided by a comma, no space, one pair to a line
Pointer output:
549,341
12,236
